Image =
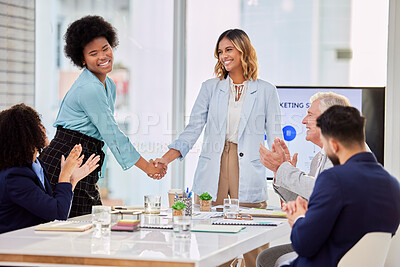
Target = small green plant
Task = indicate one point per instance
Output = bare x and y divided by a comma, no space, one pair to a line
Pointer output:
205,196
179,206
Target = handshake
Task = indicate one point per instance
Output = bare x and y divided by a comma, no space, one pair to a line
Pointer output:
157,168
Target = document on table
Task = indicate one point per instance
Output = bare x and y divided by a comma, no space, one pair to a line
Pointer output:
245,222
64,226
264,213
206,215
217,228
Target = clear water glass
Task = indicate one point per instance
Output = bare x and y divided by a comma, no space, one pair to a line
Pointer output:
231,208
182,226
152,204
101,219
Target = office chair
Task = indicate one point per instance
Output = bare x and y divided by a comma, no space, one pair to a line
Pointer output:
369,251
393,256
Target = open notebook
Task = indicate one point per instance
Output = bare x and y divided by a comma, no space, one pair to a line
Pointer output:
64,226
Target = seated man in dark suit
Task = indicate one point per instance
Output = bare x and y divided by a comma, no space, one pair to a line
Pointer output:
26,197
355,197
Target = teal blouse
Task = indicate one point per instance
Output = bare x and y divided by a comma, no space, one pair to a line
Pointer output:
89,109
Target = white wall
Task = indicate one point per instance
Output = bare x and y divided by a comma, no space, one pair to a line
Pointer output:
368,42
46,86
206,20
148,55
392,125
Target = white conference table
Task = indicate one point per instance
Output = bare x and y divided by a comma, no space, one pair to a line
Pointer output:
146,247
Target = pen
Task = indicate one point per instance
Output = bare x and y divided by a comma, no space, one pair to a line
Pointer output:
190,194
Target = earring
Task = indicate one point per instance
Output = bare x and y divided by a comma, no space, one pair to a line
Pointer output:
83,63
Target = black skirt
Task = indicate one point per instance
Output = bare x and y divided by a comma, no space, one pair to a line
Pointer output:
86,193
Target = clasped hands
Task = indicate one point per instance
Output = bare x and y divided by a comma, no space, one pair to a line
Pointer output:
295,209
160,165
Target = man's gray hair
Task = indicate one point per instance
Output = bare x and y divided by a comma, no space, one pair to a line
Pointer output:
329,99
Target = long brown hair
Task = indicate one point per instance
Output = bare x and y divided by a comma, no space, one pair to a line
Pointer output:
248,54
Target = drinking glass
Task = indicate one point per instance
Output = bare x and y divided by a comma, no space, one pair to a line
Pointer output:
152,204
182,226
231,208
101,219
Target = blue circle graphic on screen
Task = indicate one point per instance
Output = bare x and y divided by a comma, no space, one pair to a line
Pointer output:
289,133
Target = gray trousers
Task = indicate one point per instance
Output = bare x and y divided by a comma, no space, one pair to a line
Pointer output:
268,257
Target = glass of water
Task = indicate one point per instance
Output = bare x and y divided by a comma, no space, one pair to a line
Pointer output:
152,204
231,208
101,219
182,226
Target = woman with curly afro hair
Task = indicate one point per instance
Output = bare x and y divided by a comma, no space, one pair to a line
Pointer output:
26,197
86,115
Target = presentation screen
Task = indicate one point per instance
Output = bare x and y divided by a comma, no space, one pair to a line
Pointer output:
295,101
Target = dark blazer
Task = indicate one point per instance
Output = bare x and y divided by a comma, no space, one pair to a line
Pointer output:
348,201
25,202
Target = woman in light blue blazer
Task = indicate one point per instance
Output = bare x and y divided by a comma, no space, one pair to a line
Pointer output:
238,110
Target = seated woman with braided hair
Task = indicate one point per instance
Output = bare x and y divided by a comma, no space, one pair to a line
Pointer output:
26,196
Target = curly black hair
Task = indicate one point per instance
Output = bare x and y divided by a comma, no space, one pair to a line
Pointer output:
21,131
83,31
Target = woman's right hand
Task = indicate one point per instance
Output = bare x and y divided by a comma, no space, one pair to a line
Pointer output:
68,165
81,172
158,162
156,172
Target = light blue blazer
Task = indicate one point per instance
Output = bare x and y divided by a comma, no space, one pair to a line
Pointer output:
260,116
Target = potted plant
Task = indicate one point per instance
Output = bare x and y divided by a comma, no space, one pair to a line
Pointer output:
205,202
178,208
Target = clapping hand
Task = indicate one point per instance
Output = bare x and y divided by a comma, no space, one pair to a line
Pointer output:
293,160
71,169
272,159
69,165
81,172
279,153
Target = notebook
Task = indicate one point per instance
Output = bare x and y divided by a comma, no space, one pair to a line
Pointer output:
243,222
127,210
126,225
217,228
64,226
264,213
157,226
